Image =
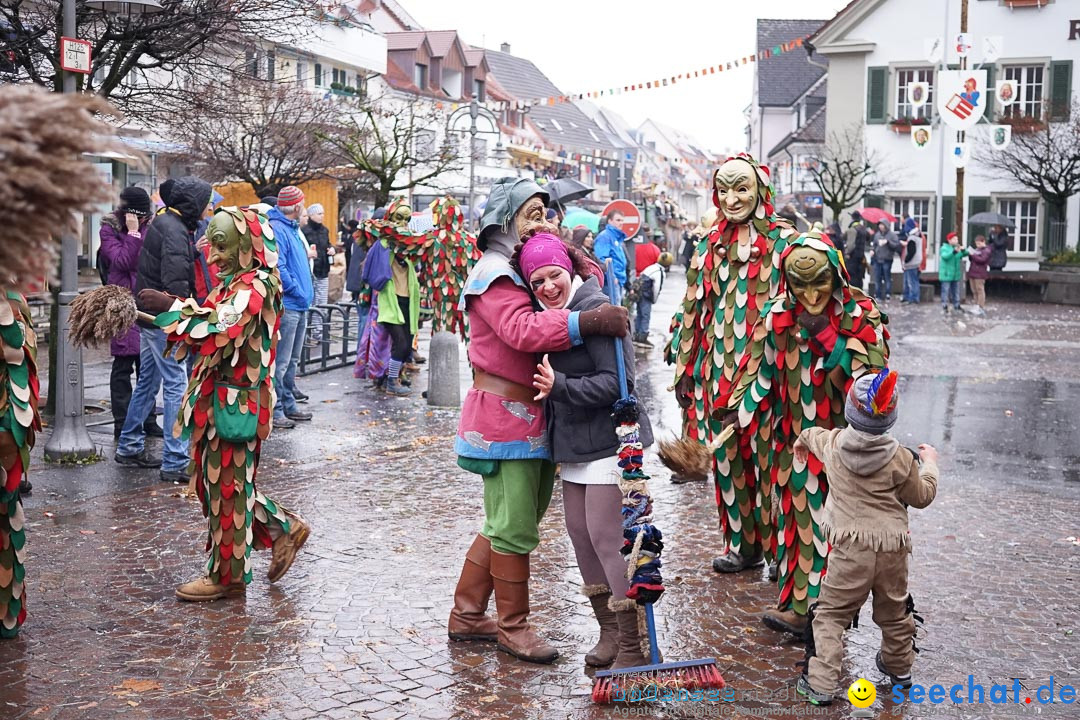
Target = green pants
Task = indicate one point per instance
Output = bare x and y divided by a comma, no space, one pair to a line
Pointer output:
516,497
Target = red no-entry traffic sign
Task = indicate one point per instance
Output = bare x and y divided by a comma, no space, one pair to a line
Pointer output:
630,213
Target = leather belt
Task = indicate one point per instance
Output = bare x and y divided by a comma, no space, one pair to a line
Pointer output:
501,386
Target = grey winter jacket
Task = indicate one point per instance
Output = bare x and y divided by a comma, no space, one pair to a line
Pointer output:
885,253
580,426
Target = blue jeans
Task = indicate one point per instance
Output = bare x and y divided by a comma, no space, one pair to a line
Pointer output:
156,371
290,345
882,279
911,285
644,308
950,289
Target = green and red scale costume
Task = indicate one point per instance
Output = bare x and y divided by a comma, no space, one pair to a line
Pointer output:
19,422
735,269
233,335
789,381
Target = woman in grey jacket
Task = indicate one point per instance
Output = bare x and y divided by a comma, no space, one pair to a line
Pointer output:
580,385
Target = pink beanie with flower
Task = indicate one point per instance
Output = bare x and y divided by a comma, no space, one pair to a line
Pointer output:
542,250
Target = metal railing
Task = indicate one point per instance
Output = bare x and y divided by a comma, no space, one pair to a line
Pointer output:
339,338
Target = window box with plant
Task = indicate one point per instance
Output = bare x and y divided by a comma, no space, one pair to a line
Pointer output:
1023,124
903,125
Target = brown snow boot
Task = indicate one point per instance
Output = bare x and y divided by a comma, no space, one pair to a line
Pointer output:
631,644
469,619
511,576
605,650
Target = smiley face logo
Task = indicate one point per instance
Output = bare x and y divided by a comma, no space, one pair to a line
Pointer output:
862,693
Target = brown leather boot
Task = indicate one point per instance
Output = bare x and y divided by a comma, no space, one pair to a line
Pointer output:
206,590
511,576
787,621
468,619
605,650
631,651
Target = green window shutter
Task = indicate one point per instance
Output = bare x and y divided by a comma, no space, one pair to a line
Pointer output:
874,201
976,204
948,217
876,80
1060,89
990,90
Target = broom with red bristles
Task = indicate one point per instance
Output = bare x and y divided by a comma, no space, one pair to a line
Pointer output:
642,545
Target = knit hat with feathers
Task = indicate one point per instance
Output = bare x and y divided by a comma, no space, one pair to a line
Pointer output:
871,402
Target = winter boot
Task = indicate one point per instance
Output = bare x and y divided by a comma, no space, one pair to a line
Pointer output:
632,645
468,619
733,562
787,621
394,387
605,650
283,552
511,576
206,590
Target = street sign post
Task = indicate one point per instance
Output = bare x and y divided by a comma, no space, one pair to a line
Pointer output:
629,212
75,55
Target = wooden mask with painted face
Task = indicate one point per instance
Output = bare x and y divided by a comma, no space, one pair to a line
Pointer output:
737,190
224,240
810,278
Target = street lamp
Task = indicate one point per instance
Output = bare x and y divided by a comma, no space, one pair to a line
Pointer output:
70,439
475,112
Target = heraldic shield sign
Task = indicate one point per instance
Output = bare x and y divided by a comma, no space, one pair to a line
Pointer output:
961,97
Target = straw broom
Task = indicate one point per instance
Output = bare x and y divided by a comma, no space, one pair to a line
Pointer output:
103,314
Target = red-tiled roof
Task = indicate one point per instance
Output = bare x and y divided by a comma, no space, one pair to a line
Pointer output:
404,40
398,79
441,41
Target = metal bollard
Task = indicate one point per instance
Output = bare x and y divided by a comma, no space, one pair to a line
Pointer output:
443,383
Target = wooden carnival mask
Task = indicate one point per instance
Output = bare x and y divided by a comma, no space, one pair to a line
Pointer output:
810,278
224,240
737,190
531,214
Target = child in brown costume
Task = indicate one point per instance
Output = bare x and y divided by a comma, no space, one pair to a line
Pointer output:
872,481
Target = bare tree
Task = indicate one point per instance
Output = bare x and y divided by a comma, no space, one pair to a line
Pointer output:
1045,159
394,145
135,60
266,135
845,170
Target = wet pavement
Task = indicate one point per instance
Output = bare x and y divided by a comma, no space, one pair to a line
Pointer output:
357,627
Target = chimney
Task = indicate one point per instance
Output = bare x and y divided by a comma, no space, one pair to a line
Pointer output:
505,47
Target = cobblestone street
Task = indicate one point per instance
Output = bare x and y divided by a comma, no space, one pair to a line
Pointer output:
357,629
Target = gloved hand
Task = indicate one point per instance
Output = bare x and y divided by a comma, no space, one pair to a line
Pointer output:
684,391
821,331
605,320
726,417
154,301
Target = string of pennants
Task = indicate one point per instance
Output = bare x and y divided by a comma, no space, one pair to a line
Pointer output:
734,64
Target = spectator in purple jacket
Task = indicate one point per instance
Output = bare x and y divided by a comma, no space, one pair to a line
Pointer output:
121,236
979,270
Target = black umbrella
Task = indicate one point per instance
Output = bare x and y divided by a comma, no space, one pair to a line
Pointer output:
991,218
565,190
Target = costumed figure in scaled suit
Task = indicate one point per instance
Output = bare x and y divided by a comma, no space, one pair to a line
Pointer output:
812,340
502,434
386,343
43,208
229,403
733,272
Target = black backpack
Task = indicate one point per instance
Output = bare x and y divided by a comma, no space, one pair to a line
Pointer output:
102,267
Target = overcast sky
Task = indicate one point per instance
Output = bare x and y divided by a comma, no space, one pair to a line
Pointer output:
585,45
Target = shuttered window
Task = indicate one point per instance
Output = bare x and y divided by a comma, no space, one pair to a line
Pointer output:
1060,89
876,82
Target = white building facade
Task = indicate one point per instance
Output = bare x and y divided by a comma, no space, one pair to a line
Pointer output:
876,50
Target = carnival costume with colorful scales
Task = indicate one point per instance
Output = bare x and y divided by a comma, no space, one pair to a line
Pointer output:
735,269
812,340
228,406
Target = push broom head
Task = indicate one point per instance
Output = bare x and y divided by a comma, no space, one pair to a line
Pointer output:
665,681
102,314
687,457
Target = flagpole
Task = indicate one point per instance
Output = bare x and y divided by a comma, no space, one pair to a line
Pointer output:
959,210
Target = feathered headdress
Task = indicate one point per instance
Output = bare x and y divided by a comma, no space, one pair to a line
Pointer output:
880,397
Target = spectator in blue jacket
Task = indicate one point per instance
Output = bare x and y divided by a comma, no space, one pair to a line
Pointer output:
609,245
298,293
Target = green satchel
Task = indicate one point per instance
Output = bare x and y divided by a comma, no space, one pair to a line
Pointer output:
235,422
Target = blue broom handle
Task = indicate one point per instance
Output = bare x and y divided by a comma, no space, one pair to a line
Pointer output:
620,364
650,623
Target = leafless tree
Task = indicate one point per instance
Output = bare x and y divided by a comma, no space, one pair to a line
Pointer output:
266,135
1044,157
394,144
190,42
845,170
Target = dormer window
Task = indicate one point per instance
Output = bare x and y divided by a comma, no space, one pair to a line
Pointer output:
420,76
